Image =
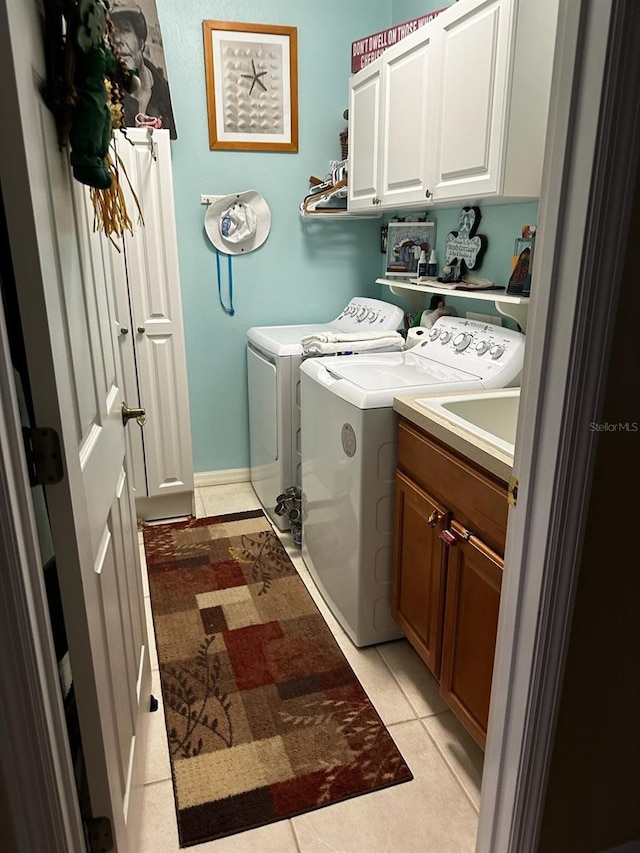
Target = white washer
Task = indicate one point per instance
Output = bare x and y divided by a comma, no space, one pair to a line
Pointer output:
349,457
274,355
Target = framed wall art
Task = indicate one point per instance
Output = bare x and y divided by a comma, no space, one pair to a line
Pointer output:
405,242
252,86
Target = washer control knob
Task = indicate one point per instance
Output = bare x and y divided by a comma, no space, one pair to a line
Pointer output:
433,334
445,337
482,347
462,341
496,351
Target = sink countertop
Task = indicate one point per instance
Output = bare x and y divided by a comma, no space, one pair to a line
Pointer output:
462,441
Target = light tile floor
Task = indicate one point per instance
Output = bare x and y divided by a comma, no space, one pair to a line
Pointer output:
437,812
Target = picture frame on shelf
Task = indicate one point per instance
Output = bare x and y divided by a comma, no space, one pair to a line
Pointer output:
405,242
252,86
520,279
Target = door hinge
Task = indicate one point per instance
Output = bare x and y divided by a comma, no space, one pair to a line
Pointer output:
44,459
100,834
512,491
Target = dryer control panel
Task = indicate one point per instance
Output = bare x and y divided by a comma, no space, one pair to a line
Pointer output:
371,314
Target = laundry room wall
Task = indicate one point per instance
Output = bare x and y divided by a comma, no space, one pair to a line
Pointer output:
306,271
407,10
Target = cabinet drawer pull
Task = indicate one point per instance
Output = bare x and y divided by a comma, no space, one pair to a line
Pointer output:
448,538
434,518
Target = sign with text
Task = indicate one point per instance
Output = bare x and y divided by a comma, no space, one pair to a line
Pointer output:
365,50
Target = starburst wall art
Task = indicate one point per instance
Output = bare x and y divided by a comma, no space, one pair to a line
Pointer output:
252,86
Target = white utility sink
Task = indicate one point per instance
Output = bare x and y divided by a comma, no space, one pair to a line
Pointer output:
490,416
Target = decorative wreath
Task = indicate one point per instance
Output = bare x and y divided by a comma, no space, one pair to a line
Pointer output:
84,91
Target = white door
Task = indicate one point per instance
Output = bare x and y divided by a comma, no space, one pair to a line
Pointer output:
66,302
364,137
156,313
409,95
124,331
473,49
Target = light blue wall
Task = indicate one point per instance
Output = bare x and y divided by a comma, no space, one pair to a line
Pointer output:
306,271
406,10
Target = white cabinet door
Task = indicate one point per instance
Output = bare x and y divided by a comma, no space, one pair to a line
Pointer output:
122,332
364,138
409,96
156,313
473,57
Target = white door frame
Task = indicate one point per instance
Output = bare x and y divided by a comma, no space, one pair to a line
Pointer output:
591,168
36,775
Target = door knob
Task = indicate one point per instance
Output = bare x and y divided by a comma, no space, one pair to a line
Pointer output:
141,330
434,518
124,330
139,414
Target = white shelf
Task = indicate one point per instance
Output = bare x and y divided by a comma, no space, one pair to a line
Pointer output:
515,307
339,214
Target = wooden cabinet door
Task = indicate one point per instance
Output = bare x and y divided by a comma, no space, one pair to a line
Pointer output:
474,579
418,570
364,137
409,92
473,49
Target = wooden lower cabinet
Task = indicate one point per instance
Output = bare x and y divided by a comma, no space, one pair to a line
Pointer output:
473,582
450,529
419,570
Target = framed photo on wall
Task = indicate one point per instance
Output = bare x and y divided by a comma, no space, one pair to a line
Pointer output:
138,42
252,86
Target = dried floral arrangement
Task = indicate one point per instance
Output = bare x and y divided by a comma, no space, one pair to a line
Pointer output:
84,90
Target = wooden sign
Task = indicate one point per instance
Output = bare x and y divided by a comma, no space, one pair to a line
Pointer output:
365,50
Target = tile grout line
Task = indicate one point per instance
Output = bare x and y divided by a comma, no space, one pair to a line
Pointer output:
404,692
449,766
295,835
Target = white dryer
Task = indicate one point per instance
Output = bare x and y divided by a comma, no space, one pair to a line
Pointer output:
274,355
349,457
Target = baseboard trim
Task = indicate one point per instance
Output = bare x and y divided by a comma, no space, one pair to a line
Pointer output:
222,478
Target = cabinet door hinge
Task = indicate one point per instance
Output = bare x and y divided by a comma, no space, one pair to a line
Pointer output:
99,833
512,491
44,459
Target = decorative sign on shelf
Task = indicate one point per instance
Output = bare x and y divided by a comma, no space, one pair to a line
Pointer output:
365,50
463,249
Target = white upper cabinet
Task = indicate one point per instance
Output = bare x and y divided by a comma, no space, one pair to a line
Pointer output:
495,59
364,137
390,105
408,107
461,108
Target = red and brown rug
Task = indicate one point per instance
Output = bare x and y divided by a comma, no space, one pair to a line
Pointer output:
265,718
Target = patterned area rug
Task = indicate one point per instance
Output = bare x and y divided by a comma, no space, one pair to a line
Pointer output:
264,716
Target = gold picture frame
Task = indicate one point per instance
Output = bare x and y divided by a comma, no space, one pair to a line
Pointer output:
252,86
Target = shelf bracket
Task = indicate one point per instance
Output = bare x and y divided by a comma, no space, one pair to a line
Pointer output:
517,313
